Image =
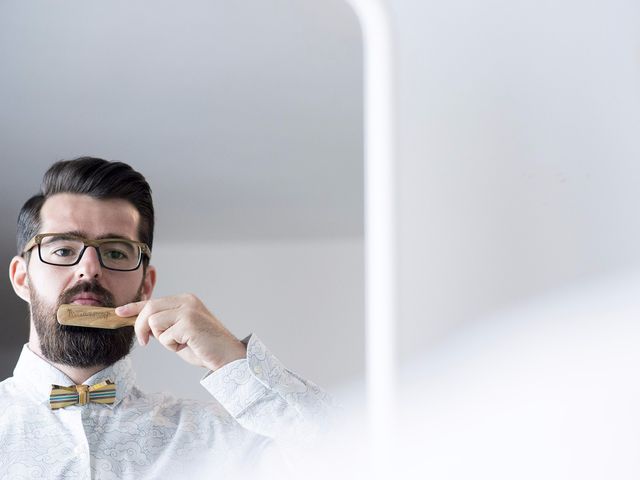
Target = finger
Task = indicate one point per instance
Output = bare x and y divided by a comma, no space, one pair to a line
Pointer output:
135,308
162,303
131,309
173,338
151,307
161,321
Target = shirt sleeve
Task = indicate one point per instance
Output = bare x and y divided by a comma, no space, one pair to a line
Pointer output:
266,398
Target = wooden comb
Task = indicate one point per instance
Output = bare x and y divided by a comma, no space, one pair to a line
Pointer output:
94,317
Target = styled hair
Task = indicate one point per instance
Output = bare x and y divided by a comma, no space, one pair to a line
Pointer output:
98,178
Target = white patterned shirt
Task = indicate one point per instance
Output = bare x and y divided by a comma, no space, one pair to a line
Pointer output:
259,409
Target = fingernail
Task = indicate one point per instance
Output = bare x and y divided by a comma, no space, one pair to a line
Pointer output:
121,310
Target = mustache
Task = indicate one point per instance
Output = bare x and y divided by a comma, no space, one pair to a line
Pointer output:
92,286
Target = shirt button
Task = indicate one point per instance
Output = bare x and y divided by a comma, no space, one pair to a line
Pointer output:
77,450
258,370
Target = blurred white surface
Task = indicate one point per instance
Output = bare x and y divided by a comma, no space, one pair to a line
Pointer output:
547,389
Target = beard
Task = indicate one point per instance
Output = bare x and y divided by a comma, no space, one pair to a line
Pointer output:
80,346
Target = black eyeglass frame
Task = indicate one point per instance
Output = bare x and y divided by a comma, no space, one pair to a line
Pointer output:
143,249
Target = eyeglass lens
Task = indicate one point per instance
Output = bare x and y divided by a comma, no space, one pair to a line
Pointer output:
119,255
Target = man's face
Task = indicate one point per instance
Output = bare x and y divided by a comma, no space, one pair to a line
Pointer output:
86,283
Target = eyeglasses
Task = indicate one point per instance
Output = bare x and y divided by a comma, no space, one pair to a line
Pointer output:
66,250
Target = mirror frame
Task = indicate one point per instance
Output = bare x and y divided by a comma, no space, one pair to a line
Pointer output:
381,307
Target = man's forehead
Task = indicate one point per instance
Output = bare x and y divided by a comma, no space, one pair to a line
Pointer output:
66,213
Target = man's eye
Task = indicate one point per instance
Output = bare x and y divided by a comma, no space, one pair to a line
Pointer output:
115,255
63,252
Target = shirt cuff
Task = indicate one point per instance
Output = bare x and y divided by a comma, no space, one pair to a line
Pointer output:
240,383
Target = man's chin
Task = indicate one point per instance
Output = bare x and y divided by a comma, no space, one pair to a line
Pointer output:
84,346
80,346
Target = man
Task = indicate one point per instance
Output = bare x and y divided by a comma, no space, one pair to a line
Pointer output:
86,239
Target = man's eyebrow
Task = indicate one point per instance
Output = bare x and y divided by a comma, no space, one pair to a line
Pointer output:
114,235
70,233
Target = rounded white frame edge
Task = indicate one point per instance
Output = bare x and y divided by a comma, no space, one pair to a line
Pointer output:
380,222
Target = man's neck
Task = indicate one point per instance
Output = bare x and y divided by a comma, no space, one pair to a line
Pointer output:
77,374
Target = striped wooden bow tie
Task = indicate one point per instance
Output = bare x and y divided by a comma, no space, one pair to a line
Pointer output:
61,397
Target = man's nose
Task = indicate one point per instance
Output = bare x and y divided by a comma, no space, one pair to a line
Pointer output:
89,266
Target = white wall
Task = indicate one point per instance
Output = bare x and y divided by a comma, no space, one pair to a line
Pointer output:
304,299
518,152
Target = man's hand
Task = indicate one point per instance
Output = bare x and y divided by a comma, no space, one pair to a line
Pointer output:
183,324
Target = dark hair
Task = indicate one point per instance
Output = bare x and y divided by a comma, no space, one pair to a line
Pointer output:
98,178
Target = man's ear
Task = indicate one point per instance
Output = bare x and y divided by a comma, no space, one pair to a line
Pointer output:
149,282
19,278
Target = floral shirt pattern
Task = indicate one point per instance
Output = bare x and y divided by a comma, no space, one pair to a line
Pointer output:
259,411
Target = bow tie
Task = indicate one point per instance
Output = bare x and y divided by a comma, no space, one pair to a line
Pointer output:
61,397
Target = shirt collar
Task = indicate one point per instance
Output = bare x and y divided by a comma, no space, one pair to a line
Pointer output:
37,375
